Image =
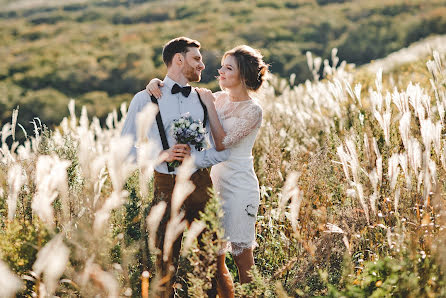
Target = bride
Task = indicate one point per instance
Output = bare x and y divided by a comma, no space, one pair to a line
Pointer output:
235,118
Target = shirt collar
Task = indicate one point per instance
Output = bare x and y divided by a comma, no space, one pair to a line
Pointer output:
168,82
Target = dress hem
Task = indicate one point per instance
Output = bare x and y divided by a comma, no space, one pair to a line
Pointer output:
236,248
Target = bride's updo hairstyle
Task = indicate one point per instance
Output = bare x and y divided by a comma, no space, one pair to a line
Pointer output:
251,66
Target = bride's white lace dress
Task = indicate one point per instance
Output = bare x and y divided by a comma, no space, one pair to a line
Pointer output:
235,179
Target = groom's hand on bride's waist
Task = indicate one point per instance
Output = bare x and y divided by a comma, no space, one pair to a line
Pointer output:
176,152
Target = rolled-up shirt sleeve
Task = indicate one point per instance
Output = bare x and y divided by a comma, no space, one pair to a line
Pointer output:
209,157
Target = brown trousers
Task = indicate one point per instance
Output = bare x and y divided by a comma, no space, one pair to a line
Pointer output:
194,203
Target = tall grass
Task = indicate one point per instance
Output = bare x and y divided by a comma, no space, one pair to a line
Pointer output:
352,189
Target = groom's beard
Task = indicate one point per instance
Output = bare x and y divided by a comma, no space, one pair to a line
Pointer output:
190,73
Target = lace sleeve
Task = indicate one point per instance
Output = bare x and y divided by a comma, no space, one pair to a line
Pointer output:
246,122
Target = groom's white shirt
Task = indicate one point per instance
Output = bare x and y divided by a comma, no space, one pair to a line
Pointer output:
172,106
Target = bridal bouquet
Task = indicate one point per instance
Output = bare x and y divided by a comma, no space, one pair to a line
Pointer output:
185,130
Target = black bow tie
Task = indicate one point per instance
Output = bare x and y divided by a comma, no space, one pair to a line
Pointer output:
184,90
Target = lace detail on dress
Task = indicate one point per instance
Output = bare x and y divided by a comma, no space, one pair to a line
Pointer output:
246,117
236,248
235,179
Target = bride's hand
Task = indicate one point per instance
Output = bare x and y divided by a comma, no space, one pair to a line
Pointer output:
206,96
153,87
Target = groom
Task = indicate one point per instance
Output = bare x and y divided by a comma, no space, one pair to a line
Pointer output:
184,65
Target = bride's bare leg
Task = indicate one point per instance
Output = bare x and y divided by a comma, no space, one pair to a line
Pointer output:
225,285
244,262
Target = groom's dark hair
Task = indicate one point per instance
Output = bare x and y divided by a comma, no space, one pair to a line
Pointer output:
178,45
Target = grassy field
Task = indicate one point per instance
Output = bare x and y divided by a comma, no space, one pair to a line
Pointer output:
352,168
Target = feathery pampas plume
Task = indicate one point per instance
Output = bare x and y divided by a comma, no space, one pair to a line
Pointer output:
289,190
115,200
153,220
51,181
183,186
9,282
175,227
16,179
51,261
147,151
195,229
103,279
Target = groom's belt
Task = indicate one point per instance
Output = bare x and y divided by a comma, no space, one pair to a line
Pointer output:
208,170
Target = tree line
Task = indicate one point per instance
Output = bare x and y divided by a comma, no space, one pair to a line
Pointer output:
102,52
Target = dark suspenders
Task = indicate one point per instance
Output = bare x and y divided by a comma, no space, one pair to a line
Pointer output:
205,111
162,131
